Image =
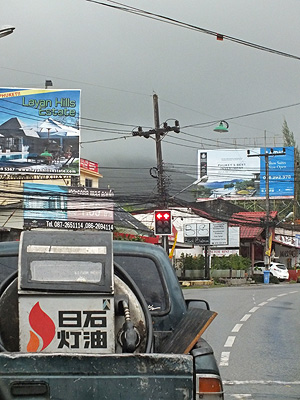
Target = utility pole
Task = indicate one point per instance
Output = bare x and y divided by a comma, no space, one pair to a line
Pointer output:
158,134
159,161
266,156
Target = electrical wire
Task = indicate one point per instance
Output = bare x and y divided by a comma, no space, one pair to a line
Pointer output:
172,21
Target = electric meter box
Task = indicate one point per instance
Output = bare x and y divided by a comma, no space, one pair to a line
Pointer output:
66,292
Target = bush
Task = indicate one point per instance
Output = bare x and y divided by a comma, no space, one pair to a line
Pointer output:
187,261
231,262
259,278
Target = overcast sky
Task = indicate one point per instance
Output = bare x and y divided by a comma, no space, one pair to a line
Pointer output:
120,60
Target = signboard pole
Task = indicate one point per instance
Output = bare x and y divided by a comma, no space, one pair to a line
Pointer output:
207,262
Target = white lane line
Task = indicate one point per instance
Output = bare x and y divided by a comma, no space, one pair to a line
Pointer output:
263,303
229,342
241,396
253,309
295,291
224,359
245,317
271,299
237,327
282,294
261,382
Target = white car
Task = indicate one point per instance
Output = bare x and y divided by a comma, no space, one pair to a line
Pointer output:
278,270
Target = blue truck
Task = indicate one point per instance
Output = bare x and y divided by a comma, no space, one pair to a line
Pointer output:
86,317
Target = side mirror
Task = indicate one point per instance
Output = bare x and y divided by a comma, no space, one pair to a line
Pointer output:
202,304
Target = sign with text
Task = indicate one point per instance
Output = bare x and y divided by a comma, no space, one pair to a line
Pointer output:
67,207
197,233
67,324
232,174
40,134
218,233
89,165
206,233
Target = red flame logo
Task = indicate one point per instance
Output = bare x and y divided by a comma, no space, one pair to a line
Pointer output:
43,326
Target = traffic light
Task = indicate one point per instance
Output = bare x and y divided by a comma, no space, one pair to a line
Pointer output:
162,222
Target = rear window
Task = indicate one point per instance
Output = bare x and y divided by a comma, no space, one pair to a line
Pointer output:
145,274
8,265
281,266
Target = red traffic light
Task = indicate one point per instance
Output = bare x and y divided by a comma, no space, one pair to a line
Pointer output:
162,222
163,215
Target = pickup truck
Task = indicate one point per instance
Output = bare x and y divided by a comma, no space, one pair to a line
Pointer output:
86,317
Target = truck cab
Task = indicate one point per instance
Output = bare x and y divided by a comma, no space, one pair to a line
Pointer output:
78,310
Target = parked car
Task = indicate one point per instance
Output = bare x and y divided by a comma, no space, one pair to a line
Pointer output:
276,269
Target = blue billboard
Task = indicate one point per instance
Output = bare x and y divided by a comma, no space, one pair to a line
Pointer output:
281,171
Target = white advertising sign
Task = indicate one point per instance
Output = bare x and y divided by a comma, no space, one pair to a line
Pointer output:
218,233
67,324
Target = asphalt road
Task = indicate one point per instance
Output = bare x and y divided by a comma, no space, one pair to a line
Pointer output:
256,339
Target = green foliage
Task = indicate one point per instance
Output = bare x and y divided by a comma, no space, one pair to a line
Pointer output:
289,140
233,261
244,185
201,192
228,185
187,261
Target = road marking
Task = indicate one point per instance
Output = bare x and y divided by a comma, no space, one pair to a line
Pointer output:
224,362
229,342
246,317
237,327
257,382
224,359
241,396
263,303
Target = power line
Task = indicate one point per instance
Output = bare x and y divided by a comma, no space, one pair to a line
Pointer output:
172,21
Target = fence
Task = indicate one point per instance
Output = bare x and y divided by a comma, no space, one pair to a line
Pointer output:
214,273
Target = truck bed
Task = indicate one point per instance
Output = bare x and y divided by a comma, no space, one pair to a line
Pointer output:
80,377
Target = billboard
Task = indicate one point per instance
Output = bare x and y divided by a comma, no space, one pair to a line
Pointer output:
232,174
67,207
89,165
206,233
39,131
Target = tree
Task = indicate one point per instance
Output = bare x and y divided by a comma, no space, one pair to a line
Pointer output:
289,140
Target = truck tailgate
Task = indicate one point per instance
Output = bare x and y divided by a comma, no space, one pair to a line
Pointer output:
85,377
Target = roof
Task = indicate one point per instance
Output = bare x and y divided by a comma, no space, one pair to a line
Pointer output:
15,128
123,219
250,232
250,222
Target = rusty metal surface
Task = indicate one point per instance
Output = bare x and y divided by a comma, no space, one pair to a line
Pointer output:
143,376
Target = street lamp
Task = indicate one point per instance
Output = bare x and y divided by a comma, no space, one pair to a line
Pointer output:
6,30
196,182
221,128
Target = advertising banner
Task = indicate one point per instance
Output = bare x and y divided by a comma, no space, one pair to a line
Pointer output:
67,207
206,234
67,324
232,174
39,131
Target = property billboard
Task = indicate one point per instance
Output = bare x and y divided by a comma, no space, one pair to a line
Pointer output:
39,131
67,207
231,173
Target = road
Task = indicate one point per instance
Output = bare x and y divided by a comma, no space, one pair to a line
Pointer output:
256,339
